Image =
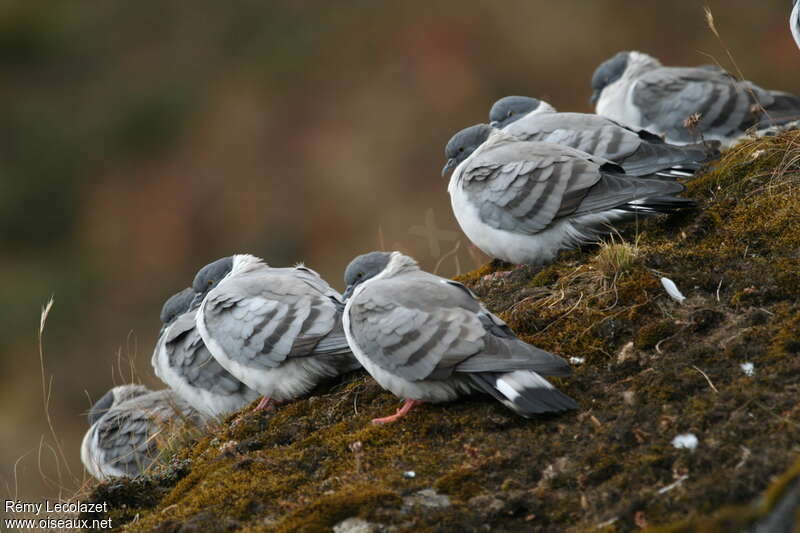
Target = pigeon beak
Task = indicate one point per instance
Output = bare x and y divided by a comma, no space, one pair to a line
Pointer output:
348,292
495,124
450,165
595,97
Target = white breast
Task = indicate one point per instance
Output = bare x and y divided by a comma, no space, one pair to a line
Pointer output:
426,391
616,103
518,248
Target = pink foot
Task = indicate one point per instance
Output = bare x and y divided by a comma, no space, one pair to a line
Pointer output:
265,403
403,411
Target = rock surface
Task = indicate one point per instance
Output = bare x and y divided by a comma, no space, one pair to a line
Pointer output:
651,369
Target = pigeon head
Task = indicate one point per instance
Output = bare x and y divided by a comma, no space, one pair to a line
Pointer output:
608,72
114,397
101,406
512,108
463,143
210,275
176,305
362,268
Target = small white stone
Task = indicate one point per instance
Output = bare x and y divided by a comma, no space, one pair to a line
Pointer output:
748,368
410,474
577,360
687,441
355,525
427,498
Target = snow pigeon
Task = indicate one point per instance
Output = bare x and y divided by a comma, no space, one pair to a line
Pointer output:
277,330
429,339
127,426
184,363
640,153
686,104
523,202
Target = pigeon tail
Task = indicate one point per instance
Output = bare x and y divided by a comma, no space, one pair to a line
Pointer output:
658,205
669,160
524,392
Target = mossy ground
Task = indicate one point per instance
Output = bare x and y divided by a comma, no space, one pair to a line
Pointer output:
652,369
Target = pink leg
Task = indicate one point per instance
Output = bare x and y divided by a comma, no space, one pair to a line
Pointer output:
265,402
403,411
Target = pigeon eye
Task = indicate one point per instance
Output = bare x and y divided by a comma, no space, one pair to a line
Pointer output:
461,149
211,282
509,114
359,275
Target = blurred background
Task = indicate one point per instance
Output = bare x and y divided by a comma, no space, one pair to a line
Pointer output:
141,140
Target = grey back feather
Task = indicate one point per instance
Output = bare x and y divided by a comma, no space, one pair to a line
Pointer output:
668,96
639,153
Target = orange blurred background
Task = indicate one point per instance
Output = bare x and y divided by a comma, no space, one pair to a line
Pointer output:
141,140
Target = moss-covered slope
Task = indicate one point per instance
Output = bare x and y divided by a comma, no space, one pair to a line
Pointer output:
651,369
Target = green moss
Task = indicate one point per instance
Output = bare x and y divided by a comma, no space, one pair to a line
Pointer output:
786,343
485,270
545,278
652,334
459,483
324,513
318,460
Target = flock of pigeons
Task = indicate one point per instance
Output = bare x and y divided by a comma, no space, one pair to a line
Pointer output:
530,184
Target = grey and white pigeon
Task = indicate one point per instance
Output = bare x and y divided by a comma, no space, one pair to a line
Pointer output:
183,362
639,152
429,339
523,202
277,330
128,425
794,22
686,104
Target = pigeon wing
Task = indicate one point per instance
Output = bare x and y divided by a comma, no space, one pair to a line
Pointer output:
667,97
188,356
127,440
425,327
615,191
524,186
262,318
593,134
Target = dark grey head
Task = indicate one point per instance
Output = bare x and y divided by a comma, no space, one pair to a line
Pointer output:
176,305
463,143
210,275
101,406
510,109
362,268
607,73
115,396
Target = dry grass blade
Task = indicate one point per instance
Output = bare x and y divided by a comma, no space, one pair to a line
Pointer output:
452,252
710,21
615,258
47,390
713,27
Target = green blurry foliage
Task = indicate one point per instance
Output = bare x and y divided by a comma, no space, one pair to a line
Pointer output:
38,193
